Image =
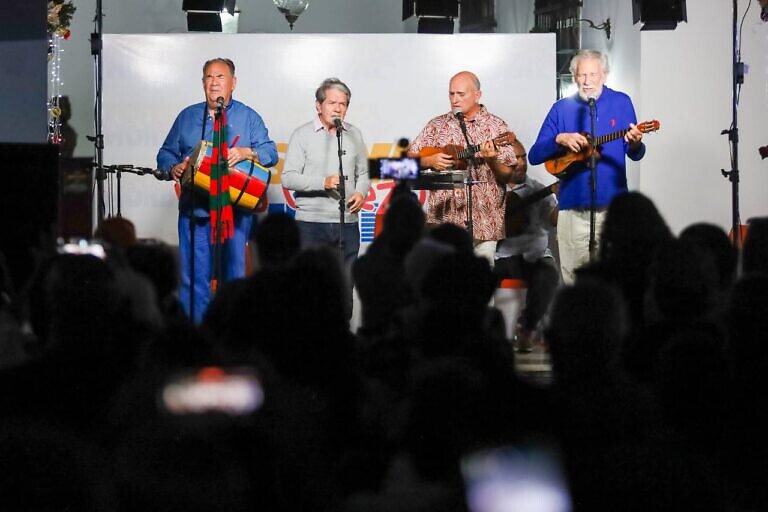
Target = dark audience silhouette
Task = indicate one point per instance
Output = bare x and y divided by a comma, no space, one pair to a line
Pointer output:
655,401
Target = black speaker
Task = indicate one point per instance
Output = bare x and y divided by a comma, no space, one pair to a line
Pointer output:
75,198
203,22
446,8
659,14
435,26
208,5
28,205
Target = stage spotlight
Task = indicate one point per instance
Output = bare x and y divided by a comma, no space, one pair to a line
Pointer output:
211,15
435,16
659,14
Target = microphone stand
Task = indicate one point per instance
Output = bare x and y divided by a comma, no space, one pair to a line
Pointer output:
98,138
119,170
733,134
592,183
216,273
341,188
468,181
192,220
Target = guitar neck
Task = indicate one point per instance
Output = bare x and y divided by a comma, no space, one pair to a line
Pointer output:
527,201
469,151
611,136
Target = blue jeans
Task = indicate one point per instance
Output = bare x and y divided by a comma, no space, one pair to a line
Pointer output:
232,260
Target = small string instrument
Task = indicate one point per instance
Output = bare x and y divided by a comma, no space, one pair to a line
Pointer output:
515,211
460,154
563,160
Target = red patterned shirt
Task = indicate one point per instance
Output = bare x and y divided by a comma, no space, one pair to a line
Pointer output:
487,196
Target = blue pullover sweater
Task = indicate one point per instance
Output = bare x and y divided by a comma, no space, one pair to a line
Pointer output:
613,112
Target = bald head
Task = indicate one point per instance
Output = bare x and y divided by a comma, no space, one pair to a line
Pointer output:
467,75
464,93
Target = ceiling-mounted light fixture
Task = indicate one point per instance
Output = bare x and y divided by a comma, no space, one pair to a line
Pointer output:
659,14
291,9
211,15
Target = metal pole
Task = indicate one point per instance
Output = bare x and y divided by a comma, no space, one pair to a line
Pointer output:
98,139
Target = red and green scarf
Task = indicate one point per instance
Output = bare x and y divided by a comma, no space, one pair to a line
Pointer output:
219,200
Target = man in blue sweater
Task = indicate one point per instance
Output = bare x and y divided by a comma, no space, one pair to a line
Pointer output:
563,131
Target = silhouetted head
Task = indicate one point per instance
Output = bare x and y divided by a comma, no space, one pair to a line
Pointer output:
118,232
754,257
277,239
404,223
714,241
454,236
683,280
633,228
587,328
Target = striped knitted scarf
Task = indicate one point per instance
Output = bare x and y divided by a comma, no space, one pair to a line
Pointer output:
219,200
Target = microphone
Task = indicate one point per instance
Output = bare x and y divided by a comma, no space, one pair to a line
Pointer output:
591,101
219,104
402,145
148,170
141,171
458,113
337,123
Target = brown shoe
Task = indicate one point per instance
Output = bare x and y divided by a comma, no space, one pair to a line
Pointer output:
523,341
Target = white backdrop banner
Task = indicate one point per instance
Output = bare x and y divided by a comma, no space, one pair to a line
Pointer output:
398,83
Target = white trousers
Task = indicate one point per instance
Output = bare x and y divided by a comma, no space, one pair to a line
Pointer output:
486,249
573,240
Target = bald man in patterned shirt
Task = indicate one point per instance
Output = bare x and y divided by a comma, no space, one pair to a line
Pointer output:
493,165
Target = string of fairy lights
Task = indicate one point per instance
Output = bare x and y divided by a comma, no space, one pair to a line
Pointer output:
59,18
55,84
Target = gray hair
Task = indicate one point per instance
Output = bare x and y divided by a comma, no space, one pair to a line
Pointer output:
589,54
219,60
332,83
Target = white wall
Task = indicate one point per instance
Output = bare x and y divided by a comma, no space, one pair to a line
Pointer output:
686,82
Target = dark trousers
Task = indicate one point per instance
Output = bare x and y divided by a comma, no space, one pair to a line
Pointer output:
327,233
542,277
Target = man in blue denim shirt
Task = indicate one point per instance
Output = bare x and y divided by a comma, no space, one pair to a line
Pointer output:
248,138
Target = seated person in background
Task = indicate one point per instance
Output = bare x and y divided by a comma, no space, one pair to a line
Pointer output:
531,213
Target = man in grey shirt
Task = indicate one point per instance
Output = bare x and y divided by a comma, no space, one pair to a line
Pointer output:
311,170
531,214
